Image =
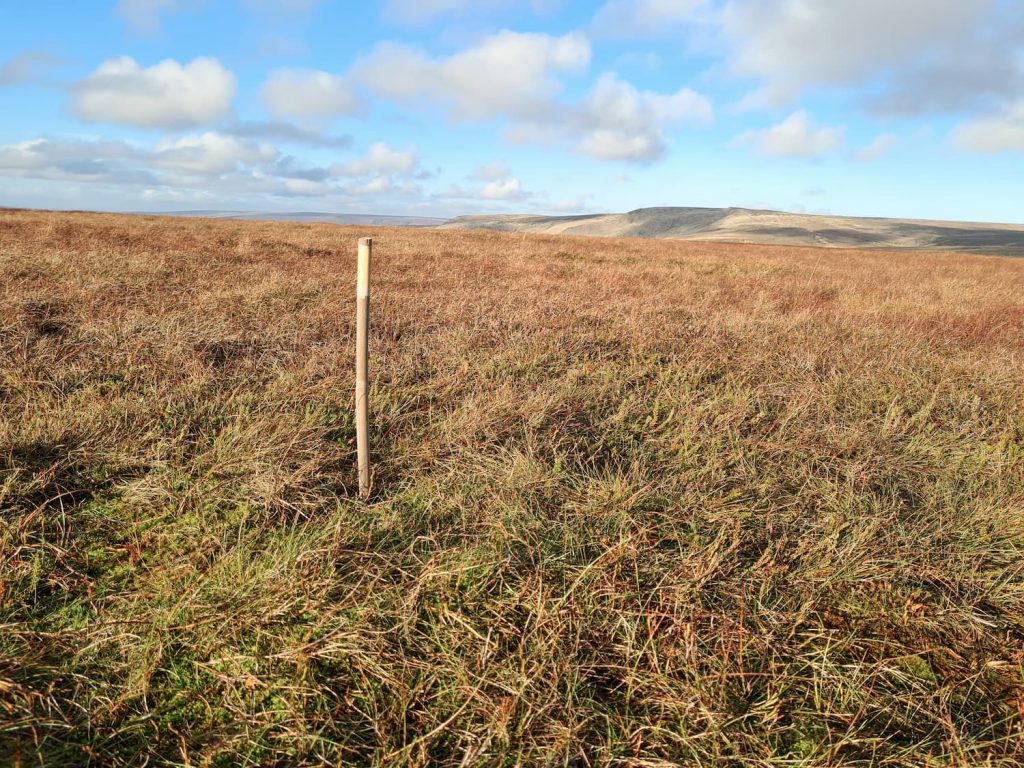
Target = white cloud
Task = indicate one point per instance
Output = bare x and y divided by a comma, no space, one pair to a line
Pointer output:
982,75
305,188
114,162
499,184
374,186
514,77
794,137
22,156
772,96
166,95
215,166
309,94
620,113
143,16
878,148
617,122
383,185
380,159
37,153
211,154
507,73
503,189
207,155
643,18
838,41
506,191
609,144
901,58
1003,132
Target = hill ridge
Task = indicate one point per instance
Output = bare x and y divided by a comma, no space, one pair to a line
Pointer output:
762,226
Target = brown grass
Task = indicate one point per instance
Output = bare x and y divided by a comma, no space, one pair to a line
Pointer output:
636,503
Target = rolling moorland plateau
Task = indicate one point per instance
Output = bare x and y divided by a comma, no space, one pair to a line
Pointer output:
636,502
741,225
736,225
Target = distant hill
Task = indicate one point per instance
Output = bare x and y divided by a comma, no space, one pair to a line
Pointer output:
330,218
743,225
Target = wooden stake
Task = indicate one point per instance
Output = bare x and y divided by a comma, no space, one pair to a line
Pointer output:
362,364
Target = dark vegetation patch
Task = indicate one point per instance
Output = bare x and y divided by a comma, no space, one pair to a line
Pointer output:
46,317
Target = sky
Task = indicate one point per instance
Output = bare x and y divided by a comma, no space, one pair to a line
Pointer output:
901,108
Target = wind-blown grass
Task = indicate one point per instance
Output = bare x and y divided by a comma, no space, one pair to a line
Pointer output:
635,503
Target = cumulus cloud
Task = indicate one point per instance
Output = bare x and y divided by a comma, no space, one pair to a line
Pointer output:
384,185
507,73
503,189
836,41
794,137
981,75
643,18
515,77
615,121
26,68
497,183
211,154
618,122
878,148
379,159
914,57
373,186
1003,132
309,94
165,95
380,169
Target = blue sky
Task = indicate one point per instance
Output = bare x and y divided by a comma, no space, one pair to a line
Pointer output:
906,108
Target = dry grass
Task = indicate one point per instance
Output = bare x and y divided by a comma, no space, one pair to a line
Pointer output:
636,503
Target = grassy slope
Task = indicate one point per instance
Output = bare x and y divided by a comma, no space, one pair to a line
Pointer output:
636,503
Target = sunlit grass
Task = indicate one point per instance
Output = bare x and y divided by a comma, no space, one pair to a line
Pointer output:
635,503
